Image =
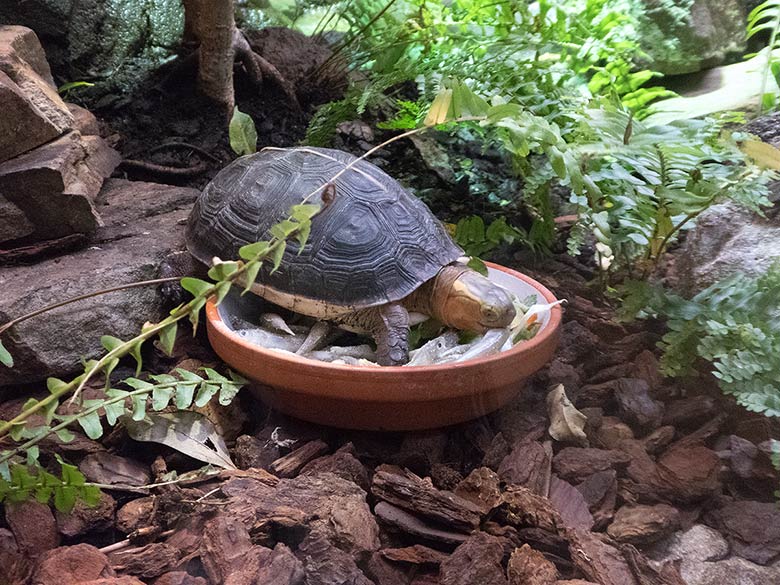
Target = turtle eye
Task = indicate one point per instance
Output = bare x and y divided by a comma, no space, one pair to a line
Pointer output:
489,313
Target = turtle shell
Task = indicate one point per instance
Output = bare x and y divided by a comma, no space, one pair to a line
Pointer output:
373,243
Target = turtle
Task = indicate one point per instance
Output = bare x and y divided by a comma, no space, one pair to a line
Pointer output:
374,254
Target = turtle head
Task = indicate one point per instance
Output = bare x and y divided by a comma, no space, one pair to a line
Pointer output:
464,299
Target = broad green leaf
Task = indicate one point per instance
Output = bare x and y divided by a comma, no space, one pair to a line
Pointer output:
223,289
161,396
250,276
32,455
476,264
303,234
205,393
194,315
188,376
55,385
249,251
184,393
214,375
168,337
139,407
66,436
284,228
110,342
5,358
242,133
278,254
64,498
91,425
222,270
304,211
227,392
195,286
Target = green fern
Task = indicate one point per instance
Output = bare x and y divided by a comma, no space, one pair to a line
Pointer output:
766,17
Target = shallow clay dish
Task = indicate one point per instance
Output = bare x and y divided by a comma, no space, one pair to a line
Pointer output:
387,398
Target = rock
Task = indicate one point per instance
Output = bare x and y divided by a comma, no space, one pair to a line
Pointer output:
400,520
335,507
114,43
33,112
702,551
638,524
528,465
106,468
280,568
410,492
135,514
179,578
33,526
476,561
698,544
684,37
55,185
481,487
445,477
15,567
84,120
83,518
72,565
143,223
733,571
752,529
575,463
248,453
343,464
659,439
727,239
636,406
529,567
327,565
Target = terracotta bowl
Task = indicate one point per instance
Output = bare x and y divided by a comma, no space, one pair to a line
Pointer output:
387,398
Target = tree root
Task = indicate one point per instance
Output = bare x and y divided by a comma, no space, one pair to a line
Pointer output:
164,170
258,68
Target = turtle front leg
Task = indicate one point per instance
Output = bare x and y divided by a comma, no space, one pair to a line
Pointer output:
391,333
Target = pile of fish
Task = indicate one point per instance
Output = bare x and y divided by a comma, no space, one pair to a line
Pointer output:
320,340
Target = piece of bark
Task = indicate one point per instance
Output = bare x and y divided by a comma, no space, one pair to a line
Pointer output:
405,522
121,580
287,525
647,574
528,465
575,464
224,547
179,578
598,560
148,561
383,572
112,469
33,525
659,439
281,567
529,567
417,554
15,568
600,493
636,406
522,508
691,472
412,493
249,453
445,477
335,506
610,433
136,514
640,524
690,411
83,518
481,488
342,463
751,528
71,565
292,463
327,565
478,560
571,504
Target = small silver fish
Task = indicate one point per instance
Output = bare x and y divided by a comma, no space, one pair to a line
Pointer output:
485,345
271,340
431,352
275,322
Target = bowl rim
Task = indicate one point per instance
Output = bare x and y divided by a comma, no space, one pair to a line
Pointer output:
550,330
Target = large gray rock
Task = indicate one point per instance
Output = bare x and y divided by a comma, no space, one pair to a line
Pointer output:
55,185
684,36
32,111
143,222
114,42
704,557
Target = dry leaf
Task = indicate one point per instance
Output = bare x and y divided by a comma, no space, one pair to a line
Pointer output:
567,424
